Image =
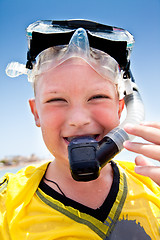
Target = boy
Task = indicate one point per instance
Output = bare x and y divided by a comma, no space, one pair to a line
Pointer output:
75,98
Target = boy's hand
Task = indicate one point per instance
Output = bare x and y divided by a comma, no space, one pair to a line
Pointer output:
149,131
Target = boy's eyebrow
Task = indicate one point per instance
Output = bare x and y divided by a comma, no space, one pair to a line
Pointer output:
52,91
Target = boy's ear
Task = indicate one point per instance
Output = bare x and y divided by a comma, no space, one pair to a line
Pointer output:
34,111
121,107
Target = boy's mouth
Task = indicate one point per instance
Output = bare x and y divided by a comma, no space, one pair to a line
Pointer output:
94,136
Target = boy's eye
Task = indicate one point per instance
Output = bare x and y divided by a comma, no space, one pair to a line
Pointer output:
56,100
98,97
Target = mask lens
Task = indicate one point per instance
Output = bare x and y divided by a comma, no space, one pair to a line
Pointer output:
78,47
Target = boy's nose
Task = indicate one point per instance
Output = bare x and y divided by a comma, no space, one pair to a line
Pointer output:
79,117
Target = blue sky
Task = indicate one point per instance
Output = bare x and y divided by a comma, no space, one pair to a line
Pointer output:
18,134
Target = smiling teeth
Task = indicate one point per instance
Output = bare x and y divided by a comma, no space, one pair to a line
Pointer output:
69,139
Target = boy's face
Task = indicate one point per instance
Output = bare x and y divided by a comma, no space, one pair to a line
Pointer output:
73,100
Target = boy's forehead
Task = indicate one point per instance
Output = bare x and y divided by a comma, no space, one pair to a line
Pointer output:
73,70
56,73
70,66
76,66
72,63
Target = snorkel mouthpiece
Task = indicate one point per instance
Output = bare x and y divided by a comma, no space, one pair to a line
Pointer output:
87,157
83,161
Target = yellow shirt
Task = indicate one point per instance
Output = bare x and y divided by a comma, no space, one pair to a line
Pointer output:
26,212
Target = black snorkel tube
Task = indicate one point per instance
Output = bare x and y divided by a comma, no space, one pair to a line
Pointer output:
87,156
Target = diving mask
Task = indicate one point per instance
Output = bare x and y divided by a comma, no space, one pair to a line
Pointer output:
78,47
50,43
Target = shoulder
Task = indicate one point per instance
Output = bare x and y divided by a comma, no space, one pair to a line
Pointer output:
27,174
19,188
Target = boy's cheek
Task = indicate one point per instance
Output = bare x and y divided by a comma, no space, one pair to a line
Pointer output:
108,120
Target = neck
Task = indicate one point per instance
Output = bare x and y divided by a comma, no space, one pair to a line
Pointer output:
60,172
91,194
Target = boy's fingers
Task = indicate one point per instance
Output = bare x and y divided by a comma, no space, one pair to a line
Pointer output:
151,124
142,161
149,133
148,150
149,171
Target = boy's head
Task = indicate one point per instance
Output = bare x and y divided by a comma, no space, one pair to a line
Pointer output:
72,100
76,93
80,71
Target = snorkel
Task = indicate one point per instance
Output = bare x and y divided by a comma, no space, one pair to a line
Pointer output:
107,50
87,156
